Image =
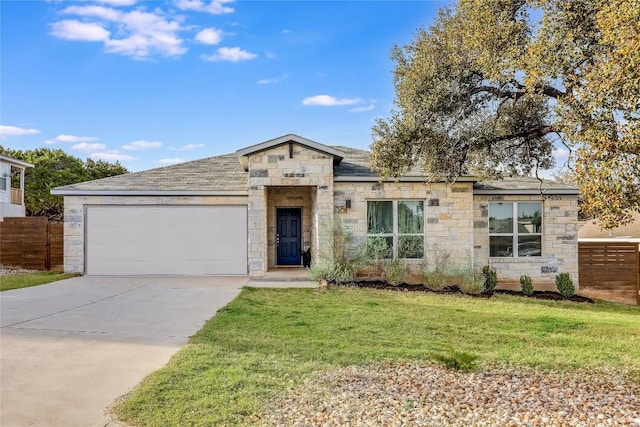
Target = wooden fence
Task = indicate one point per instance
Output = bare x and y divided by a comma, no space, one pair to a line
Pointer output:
32,242
610,270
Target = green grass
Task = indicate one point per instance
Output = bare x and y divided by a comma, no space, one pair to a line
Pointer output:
267,340
17,281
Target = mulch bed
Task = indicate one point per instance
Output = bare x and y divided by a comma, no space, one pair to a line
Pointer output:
455,290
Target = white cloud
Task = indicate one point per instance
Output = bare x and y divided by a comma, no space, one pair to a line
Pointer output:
214,7
209,36
328,101
285,31
172,161
86,147
118,2
187,147
113,155
70,29
141,34
272,81
360,109
6,131
231,54
142,145
70,138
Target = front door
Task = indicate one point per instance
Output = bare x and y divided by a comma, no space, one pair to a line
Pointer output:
289,235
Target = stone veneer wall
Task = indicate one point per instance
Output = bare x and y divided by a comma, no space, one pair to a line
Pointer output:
559,241
448,222
74,217
276,168
296,197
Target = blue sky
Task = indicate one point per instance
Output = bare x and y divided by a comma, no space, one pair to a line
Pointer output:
151,83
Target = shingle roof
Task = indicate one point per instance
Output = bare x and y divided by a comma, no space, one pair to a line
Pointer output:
225,173
592,230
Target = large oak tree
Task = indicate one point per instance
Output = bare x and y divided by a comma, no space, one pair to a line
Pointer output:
492,84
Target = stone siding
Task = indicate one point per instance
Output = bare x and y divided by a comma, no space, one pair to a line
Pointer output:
559,242
448,223
287,166
74,209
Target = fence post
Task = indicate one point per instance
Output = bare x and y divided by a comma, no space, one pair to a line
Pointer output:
47,258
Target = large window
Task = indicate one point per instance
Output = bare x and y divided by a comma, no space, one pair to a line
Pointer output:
400,224
519,238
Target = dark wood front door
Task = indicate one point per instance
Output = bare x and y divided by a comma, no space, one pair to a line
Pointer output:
289,235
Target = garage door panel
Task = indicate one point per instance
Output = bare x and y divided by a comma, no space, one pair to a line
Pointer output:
166,240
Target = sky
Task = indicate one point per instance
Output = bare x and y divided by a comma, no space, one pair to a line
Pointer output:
152,83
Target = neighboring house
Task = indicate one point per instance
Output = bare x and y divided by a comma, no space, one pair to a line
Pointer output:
255,210
12,187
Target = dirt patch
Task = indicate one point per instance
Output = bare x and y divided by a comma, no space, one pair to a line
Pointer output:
454,289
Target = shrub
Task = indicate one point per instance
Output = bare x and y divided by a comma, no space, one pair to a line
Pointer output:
332,272
565,285
458,361
341,256
489,279
394,271
472,285
526,284
434,280
377,251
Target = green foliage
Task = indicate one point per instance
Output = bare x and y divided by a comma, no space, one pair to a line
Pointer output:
565,285
341,256
491,85
54,168
377,251
17,281
489,279
526,284
394,271
458,361
472,284
435,280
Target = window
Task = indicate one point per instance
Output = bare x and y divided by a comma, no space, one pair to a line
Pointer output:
3,183
400,224
522,238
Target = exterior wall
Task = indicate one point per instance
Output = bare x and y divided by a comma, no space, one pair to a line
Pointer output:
559,242
74,208
296,197
448,218
9,210
283,166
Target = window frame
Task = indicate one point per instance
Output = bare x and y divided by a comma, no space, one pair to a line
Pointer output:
515,234
395,226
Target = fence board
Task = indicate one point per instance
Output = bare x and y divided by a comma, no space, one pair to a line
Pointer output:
31,242
610,270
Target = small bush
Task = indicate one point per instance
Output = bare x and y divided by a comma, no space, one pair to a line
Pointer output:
332,272
458,361
472,284
565,285
526,284
394,271
489,278
436,280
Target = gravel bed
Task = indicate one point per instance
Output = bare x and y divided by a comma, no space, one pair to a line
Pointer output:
412,395
7,270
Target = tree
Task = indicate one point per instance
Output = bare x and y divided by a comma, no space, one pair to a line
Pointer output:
490,86
53,168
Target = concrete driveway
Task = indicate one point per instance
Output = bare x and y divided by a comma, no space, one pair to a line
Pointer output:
69,348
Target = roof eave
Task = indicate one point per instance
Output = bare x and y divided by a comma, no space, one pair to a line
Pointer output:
16,162
409,178
79,192
524,192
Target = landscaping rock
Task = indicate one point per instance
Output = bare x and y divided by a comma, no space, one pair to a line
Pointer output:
415,395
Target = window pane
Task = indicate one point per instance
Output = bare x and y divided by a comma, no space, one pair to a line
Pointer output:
379,247
530,246
500,218
379,217
501,246
530,217
411,247
410,217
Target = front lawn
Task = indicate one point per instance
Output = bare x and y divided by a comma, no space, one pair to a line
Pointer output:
24,280
267,340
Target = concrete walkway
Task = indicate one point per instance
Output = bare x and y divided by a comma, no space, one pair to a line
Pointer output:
69,348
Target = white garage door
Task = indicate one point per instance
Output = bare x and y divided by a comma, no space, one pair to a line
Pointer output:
149,240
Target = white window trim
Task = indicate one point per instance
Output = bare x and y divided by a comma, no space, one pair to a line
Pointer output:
514,232
395,235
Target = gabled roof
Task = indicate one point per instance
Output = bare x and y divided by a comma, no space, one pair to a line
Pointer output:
245,152
15,162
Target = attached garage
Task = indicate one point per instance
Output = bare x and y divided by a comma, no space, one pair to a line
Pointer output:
165,240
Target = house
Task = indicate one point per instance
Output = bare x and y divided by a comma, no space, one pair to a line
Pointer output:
255,210
12,187
609,261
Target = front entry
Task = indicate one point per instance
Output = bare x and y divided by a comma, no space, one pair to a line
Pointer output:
289,235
